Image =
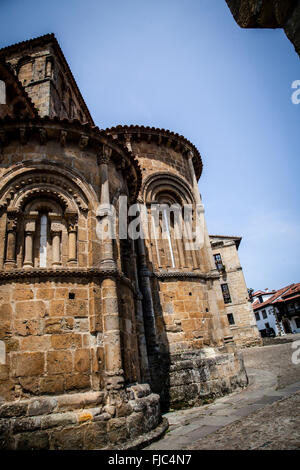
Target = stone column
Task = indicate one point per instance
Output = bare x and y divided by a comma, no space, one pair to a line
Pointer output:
56,229
144,364
199,208
30,228
104,213
11,237
148,308
114,375
72,238
179,242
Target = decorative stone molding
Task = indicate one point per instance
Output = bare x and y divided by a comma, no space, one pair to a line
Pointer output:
156,182
11,235
43,136
23,136
65,273
185,274
83,141
63,138
42,184
104,156
160,136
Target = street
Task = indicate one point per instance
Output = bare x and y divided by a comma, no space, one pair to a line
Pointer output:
265,415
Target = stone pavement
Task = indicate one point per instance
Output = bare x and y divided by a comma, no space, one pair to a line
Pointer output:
266,413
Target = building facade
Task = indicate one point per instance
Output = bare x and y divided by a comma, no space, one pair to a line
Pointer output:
97,332
278,310
238,306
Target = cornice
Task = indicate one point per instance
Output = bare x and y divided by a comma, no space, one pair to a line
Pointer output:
185,274
67,272
161,137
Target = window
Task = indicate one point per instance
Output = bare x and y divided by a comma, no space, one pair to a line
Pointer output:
43,241
218,261
230,319
297,321
257,316
267,325
168,233
226,293
264,314
260,299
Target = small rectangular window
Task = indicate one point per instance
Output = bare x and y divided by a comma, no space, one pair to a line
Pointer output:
218,262
264,314
226,293
230,319
297,321
257,316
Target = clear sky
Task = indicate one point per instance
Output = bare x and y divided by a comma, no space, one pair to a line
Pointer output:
186,66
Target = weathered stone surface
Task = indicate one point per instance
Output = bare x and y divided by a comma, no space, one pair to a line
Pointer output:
82,318
269,14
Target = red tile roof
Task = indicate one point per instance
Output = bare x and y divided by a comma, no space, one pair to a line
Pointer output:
278,294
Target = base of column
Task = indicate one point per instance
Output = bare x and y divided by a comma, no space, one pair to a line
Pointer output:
27,265
108,264
10,264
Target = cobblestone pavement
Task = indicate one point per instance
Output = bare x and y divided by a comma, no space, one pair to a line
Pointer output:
263,415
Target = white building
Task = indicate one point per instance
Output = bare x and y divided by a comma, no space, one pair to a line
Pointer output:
278,310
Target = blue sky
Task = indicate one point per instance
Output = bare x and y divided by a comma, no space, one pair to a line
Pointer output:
186,66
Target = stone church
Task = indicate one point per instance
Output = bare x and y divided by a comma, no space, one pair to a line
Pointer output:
98,336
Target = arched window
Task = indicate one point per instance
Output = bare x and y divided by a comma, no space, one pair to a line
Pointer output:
45,228
170,196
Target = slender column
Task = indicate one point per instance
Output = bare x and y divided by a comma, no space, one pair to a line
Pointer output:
72,238
11,230
149,315
114,374
144,364
200,213
30,228
179,244
104,214
56,248
28,259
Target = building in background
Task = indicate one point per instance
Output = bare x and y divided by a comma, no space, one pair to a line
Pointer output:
278,310
238,306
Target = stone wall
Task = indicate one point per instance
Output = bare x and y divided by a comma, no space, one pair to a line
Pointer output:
90,421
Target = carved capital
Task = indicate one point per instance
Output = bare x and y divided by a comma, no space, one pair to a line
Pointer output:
12,221
23,135
63,138
43,135
30,222
72,220
190,155
128,142
104,156
83,141
2,136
